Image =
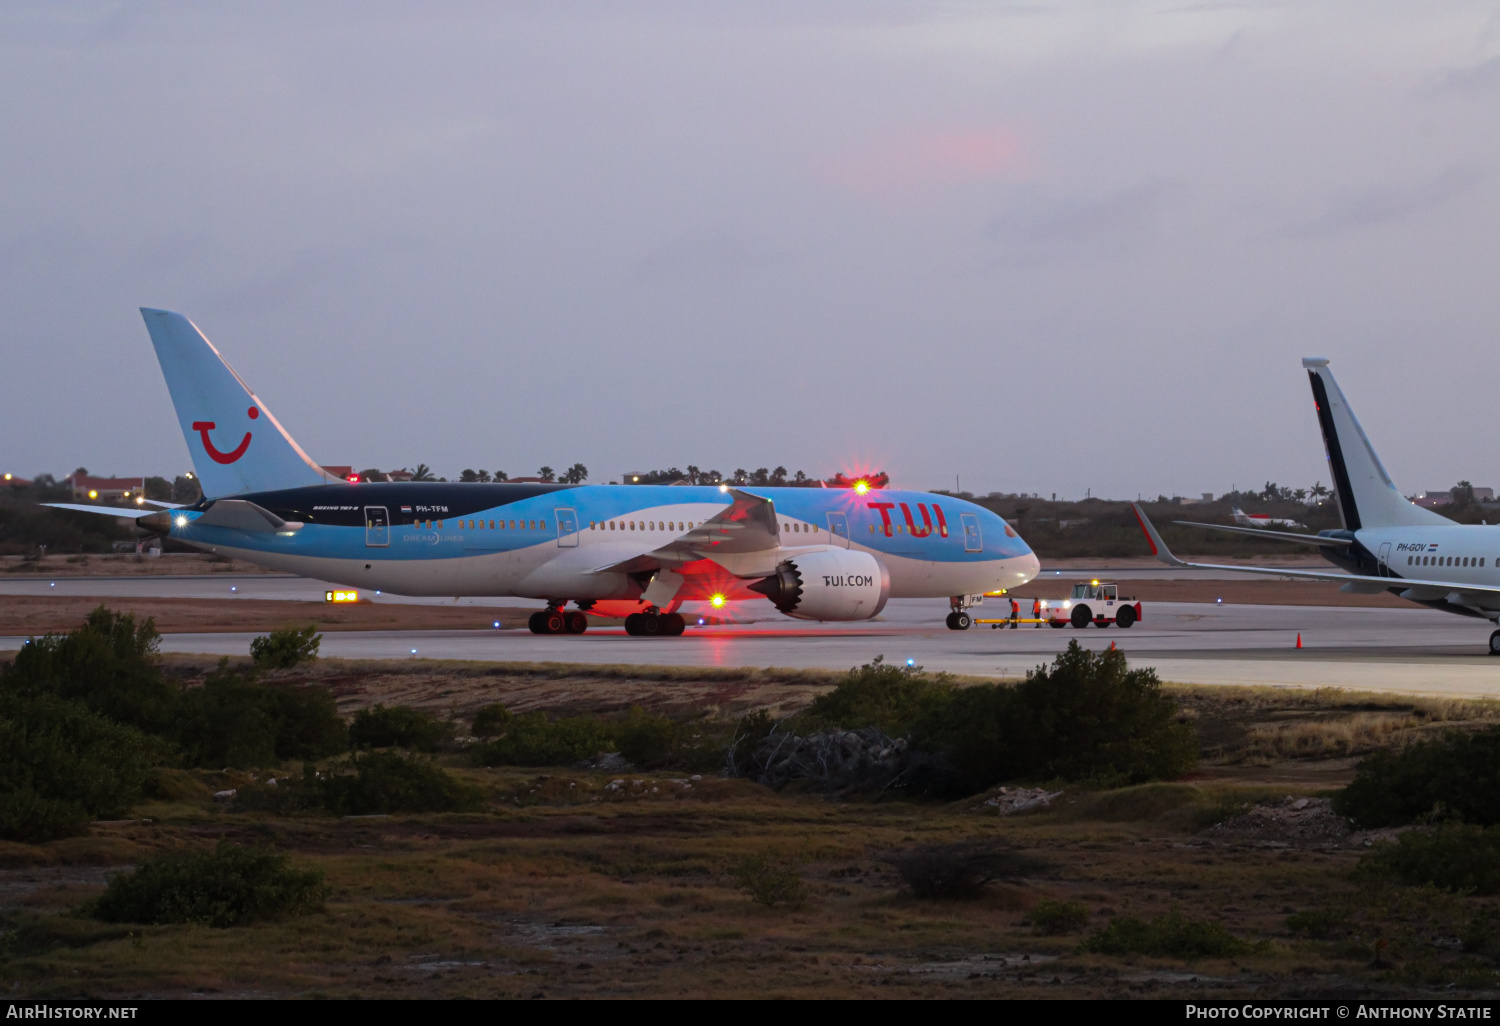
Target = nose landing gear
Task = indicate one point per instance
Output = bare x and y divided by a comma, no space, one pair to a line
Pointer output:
1495,644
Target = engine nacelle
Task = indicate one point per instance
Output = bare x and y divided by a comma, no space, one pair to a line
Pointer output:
830,584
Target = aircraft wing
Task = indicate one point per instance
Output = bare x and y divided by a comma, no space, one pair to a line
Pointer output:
1261,532
744,538
1413,589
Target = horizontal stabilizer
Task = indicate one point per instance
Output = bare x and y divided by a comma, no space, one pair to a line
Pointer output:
107,511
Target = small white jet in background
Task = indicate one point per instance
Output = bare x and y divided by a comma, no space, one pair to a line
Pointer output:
1262,519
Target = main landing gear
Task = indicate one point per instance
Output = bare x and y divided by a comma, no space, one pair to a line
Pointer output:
553,620
653,623
650,624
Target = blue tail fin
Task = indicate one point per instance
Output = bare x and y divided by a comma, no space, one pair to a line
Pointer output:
237,446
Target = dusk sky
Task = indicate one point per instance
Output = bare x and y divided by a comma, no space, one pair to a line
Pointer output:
1045,247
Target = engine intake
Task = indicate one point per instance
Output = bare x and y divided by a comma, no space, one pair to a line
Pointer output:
833,584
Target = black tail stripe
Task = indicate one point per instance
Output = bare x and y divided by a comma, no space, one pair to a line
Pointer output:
1335,453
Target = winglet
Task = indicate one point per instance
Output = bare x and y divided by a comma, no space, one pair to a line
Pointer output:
1158,547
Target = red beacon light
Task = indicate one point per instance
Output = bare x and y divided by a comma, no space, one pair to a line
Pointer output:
352,479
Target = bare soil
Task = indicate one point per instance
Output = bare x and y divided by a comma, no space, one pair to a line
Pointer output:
168,564
31,615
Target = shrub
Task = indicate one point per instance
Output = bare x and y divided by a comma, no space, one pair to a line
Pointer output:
224,887
62,764
1050,918
1455,776
878,694
490,720
532,740
1171,934
233,720
282,649
109,664
1455,857
954,871
399,726
1087,717
647,740
770,882
387,781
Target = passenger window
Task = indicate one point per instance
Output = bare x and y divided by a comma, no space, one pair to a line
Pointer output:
429,525
492,525
440,525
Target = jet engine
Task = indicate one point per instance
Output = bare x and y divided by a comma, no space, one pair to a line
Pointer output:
830,584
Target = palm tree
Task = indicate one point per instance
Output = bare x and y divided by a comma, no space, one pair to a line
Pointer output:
547,474
576,474
423,473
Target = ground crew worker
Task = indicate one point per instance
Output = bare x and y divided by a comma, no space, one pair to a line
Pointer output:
1015,613
1036,611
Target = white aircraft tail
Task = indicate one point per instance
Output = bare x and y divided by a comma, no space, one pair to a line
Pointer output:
1366,495
236,445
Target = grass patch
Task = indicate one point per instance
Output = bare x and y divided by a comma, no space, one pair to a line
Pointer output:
1172,935
770,881
1050,918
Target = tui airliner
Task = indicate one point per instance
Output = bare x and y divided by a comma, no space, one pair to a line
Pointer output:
827,554
1387,543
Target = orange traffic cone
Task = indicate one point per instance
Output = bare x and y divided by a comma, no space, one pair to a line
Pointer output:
1111,646
1299,639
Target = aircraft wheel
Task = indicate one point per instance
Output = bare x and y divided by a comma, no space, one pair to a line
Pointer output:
1082,617
535,623
649,625
672,624
1125,618
577,622
633,624
962,621
1495,643
554,622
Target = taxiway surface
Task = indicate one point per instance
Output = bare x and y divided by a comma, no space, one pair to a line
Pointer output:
1408,650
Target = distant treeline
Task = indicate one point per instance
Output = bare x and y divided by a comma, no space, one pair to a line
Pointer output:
1107,528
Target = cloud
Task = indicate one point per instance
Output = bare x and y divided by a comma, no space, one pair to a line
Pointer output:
1038,226
714,256
919,161
1476,80
1382,205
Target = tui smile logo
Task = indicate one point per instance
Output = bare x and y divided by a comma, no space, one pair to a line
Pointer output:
203,427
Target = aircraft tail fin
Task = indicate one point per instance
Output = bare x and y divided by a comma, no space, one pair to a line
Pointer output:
236,445
1366,495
